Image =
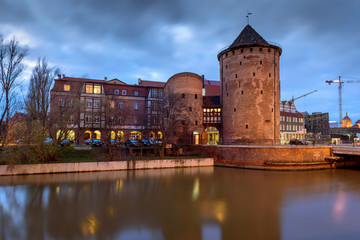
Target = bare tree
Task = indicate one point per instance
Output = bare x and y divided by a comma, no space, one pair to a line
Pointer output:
38,99
169,120
11,67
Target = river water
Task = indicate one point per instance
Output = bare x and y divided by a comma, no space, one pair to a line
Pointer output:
189,203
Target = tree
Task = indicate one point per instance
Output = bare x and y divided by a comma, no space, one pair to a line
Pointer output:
169,120
38,98
11,68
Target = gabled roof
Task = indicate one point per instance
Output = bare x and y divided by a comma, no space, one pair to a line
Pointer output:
248,36
116,81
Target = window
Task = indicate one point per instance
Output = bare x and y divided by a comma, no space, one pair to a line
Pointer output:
123,92
269,50
71,119
116,92
260,62
97,89
112,119
89,88
253,74
261,92
136,93
136,105
112,104
97,104
240,63
246,126
121,105
242,50
97,119
260,49
88,119
196,122
190,109
121,120
235,75
195,96
183,95
251,49
136,120
269,74
225,66
61,102
89,103
66,87
234,109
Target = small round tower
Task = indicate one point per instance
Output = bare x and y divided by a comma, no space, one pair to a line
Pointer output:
250,90
183,92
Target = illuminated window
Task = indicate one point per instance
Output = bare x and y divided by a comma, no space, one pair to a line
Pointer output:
67,87
97,89
89,88
112,104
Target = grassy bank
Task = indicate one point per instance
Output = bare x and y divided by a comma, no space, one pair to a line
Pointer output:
27,155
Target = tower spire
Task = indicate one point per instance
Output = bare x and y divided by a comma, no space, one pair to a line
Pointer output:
248,17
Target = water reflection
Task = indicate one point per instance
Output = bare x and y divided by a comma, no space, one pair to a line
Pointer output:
191,203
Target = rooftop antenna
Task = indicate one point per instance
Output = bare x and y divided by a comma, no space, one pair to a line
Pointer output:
248,17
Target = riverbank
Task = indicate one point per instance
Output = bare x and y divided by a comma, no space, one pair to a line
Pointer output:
25,169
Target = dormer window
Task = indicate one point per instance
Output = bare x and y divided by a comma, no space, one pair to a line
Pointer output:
66,87
97,89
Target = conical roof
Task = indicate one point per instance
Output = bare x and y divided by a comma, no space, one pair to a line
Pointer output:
248,36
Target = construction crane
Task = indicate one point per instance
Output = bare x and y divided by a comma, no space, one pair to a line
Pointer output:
293,99
340,82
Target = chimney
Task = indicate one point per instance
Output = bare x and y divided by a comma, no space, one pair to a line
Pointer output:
59,76
63,75
105,78
139,81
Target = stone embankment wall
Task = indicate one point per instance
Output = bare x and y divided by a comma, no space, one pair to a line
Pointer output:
102,166
265,157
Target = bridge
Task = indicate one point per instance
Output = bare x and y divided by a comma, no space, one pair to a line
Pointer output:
345,156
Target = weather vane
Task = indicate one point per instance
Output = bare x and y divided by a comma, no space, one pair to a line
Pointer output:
248,16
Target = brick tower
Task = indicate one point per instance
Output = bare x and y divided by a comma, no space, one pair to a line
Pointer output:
250,90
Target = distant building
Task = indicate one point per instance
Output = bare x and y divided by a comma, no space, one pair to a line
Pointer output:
347,132
291,122
317,125
333,124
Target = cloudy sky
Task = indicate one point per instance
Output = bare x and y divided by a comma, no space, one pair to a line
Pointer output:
154,39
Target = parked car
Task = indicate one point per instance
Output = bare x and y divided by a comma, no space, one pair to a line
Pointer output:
65,142
48,140
89,141
156,141
144,143
97,143
115,142
132,143
296,141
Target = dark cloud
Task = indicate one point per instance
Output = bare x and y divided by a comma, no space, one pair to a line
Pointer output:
155,39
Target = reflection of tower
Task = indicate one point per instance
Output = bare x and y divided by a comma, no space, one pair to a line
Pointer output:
250,90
